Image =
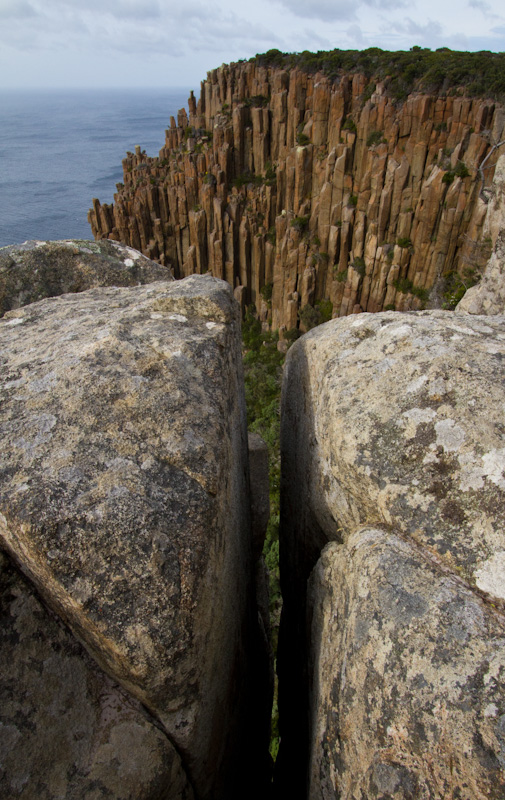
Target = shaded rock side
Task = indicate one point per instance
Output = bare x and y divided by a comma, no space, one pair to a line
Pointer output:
407,678
488,296
124,497
313,189
66,729
35,270
392,421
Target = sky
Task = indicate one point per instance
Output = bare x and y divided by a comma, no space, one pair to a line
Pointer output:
174,43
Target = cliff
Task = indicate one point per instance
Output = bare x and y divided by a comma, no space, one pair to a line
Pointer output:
298,188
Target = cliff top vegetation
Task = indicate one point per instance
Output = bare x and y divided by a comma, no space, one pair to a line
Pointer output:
440,71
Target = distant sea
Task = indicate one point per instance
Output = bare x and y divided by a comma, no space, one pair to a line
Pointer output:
59,149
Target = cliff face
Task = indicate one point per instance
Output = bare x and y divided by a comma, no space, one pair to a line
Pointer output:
313,189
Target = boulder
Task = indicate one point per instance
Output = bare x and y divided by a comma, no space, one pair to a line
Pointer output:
392,421
34,270
67,730
406,677
124,497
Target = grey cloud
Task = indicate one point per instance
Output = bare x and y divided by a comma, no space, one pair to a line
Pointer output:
120,9
13,9
480,5
325,10
355,34
432,28
336,10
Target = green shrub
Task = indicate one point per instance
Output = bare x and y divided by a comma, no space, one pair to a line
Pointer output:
370,89
448,177
390,307
349,125
420,69
292,335
353,200
404,241
325,308
374,138
341,276
302,139
272,235
456,285
461,170
359,265
300,224
266,292
310,317
406,286
270,174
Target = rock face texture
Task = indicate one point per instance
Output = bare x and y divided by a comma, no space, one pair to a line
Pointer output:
315,189
34,270
488,297
124,498
392,452
67,730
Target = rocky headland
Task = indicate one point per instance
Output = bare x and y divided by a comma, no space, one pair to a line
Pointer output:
316,196
134,652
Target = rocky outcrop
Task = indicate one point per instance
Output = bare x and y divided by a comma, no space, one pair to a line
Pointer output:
392,453
300,188
488,297
407,682
34,270
67,730
124,498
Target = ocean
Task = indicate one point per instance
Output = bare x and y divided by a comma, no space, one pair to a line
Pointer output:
59,149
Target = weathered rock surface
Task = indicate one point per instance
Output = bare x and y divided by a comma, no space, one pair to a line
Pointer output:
34,270
124,497
317,189
407,677
67,730
488,296
393,421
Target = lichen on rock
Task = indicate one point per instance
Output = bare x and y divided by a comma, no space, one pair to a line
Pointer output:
124,497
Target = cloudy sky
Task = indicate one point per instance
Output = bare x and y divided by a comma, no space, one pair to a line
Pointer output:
114,43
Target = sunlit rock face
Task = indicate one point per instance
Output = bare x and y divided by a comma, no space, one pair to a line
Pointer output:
300,188
392,451
124,497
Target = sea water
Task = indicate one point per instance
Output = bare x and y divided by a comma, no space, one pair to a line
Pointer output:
59,149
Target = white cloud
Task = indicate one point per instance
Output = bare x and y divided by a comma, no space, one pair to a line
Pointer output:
151,42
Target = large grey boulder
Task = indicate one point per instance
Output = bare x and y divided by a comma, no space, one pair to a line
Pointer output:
406,677
124,497
391,421
66,729
34,270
